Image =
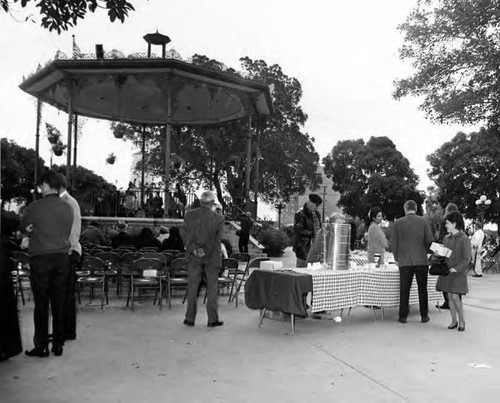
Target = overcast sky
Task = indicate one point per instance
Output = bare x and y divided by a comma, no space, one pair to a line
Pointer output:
344,53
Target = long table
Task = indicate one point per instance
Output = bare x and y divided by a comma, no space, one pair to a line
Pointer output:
286,290
338,289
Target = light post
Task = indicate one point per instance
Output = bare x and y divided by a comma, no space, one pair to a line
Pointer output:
280,205
483,203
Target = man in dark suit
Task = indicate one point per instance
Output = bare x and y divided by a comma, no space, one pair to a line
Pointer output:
410,242
202,233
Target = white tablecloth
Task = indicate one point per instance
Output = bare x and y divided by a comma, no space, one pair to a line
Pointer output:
349,288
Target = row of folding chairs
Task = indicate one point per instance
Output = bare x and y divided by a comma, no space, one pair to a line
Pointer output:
163,272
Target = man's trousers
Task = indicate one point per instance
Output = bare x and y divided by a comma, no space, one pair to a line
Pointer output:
199,269
49,276
405,280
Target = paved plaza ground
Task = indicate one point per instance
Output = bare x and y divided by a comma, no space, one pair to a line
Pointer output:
150,356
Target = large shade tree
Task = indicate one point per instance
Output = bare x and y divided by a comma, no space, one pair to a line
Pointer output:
283,159
17,167
371,174
454,48
93,192
467,167
62,15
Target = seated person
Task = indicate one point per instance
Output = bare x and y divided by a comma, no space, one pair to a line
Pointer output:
123,237
174,241
164,234
93,234
146,238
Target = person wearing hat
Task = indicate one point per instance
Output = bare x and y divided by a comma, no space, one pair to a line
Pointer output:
163,234
123,237
307,223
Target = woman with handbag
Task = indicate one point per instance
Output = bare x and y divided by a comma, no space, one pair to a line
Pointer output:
455,283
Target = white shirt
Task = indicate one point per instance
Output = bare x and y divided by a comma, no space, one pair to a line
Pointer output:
477,240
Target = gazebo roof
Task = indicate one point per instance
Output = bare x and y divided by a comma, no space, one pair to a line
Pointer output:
147,91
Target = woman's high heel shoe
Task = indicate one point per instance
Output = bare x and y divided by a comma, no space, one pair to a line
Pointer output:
461,328
453,326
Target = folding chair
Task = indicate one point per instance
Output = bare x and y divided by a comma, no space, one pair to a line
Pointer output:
113,260
146,273
126,266
176,278
174,252
93,274
242,275
227,277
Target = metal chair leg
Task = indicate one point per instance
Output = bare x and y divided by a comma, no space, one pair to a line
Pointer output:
262,316
102,294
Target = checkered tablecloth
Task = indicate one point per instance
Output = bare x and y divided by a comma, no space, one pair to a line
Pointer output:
345,289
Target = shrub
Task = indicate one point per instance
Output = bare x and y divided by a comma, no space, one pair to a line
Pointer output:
274,241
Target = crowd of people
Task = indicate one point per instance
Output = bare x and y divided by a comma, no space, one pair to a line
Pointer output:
409,239
51,228
53,237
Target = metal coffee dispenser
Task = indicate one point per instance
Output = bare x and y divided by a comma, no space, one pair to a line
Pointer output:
336,245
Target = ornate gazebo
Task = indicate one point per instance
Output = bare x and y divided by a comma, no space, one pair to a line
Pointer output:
147,90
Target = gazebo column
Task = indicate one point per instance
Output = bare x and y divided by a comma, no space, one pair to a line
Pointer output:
168,139
143,165
257,164
249,157
75,147
70,126
37,143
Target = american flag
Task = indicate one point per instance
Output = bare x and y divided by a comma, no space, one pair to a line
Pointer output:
76,49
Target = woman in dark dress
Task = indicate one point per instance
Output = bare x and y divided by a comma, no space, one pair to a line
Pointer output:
147,239
455,283
174,241
10,335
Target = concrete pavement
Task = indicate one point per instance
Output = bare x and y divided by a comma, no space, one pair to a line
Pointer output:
149,356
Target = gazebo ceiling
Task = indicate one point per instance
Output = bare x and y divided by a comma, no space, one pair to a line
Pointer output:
147,91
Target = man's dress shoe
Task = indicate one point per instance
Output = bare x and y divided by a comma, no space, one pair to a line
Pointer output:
402,320
37,352
188,323
57,350
425,319
215,324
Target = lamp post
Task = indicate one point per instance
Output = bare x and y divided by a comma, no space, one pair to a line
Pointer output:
483,203
280,205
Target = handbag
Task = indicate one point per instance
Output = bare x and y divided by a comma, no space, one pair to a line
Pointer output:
439,269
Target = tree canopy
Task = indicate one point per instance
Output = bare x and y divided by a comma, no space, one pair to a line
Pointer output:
216,156
371,174
467,167
454,48
62,15
93,192
17,167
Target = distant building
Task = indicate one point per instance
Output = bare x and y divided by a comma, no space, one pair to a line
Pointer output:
329,205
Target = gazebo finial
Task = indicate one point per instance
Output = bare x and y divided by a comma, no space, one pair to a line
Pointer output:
157,39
